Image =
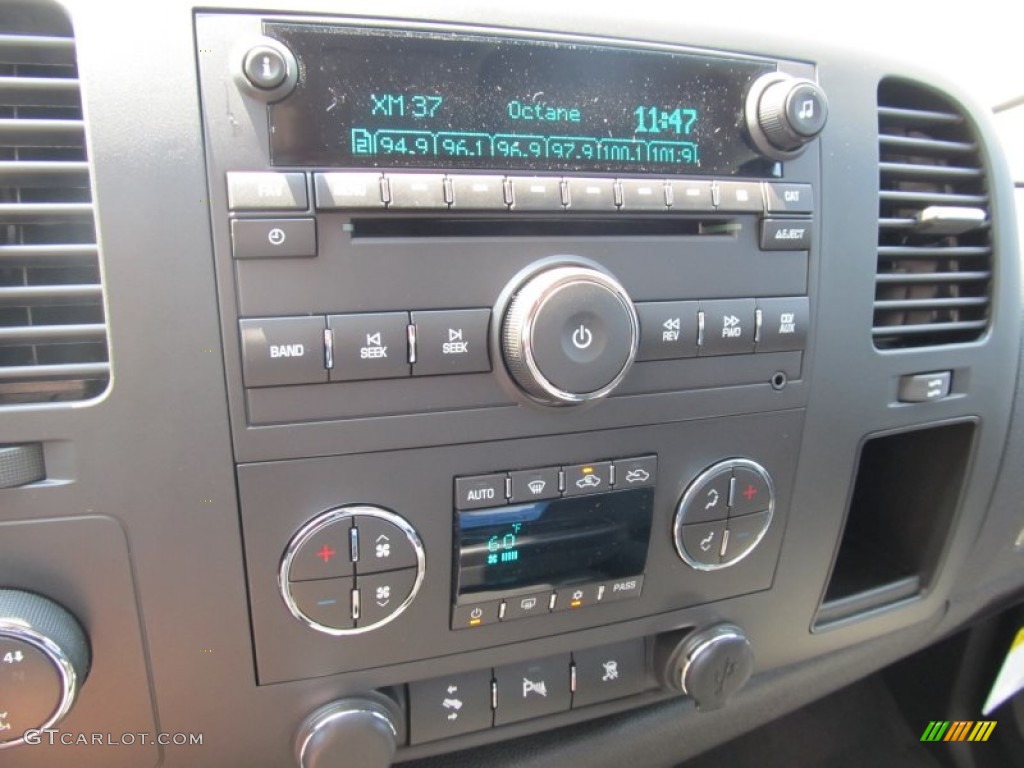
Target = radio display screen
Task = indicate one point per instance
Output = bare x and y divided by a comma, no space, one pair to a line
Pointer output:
377,98
552,543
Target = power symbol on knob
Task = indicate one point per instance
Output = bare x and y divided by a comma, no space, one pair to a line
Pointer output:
582,337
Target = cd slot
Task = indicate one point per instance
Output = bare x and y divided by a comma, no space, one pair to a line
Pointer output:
438,227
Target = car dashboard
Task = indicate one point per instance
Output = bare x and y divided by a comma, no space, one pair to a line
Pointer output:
465,385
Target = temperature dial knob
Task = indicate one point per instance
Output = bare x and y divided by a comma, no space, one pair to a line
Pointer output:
785,113
569,334
44,658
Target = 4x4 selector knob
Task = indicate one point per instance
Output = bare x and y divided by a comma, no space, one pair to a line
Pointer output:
569,334
44,658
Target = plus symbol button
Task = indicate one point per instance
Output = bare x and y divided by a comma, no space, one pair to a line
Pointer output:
326,553
750,492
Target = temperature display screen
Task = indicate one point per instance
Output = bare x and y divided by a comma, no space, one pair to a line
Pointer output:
375,98
548,543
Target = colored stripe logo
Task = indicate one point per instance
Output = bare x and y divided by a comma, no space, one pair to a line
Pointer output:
958,730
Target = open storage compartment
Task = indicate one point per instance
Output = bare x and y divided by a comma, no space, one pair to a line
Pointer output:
905,495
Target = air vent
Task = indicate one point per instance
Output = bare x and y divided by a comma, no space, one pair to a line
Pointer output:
53,335
934,247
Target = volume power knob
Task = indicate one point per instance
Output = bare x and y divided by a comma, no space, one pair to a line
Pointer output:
569,334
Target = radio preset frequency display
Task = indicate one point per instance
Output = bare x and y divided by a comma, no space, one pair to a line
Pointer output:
383,98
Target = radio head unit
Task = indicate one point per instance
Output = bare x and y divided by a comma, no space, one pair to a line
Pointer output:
380,98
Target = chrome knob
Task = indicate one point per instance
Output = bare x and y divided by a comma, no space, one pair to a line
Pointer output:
44,659
569,335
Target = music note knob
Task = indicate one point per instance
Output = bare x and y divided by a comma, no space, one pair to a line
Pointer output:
784,114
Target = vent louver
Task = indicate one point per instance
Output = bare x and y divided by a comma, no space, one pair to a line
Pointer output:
934,250
53,335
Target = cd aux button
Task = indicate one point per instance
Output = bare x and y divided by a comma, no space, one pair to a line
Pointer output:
784,324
